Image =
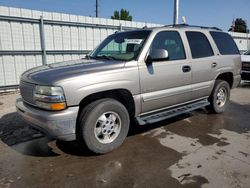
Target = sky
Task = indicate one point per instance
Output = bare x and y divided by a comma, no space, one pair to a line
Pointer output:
218,13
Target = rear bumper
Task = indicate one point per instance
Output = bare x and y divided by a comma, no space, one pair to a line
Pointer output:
60,125
245,75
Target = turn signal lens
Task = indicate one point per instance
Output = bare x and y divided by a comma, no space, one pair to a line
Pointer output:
57,106
51,106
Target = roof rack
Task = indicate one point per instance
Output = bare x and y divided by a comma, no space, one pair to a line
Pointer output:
192,26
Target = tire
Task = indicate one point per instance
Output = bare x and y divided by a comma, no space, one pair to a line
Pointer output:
219,98
103,125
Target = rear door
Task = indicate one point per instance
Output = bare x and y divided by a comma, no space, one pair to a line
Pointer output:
204,64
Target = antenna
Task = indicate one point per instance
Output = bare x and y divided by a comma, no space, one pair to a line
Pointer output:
184,20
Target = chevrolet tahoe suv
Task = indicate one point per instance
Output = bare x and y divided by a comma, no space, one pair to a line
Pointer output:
146,75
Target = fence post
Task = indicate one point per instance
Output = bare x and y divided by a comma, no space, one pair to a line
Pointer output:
42,37
248,46
120,27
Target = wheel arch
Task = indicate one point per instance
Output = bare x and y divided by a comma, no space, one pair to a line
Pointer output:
124,96
226,76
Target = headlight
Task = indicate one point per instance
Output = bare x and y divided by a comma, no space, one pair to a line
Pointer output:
47,90
50,98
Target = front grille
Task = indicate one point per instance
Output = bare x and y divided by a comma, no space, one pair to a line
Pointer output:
27,90
246,66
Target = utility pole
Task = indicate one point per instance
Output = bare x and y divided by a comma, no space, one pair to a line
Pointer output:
176,12
96,8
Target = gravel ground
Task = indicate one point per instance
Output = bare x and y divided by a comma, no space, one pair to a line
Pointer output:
193,150
13,129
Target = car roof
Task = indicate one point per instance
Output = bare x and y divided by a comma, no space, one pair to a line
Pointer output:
177,27
185,27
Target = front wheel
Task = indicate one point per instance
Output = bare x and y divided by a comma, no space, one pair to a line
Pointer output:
219,98
103,125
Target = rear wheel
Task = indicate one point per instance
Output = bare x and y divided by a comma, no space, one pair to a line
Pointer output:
103,125
219,98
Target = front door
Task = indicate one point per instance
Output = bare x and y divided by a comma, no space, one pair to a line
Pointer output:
166,83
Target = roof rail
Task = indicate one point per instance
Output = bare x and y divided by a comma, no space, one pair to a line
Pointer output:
192,26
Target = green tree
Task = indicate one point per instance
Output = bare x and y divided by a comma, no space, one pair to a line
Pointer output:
239,25
122,15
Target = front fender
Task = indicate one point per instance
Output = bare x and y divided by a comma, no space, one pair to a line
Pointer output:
81,87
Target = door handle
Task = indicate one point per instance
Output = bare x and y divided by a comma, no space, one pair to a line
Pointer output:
214,64
186,68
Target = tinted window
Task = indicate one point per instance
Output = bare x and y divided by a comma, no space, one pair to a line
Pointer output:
247,52
225,43
170,41
200,46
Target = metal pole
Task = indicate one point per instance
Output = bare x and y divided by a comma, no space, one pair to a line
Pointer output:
248,46
42,37
247,38
96,8
176,12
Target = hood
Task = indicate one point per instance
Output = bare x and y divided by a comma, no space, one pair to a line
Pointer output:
49,74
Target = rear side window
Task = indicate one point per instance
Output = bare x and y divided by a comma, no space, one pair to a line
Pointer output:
225,43
199,45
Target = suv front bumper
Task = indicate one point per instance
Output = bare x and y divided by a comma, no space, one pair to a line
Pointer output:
60,125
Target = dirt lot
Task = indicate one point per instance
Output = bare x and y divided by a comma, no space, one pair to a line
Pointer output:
193,150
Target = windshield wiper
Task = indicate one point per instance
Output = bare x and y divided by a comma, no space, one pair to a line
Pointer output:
105,57
88,57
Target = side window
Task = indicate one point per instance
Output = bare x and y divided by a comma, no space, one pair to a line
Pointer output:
170,41
225,43
199,45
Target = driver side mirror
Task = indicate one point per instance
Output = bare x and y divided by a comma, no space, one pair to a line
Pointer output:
157,55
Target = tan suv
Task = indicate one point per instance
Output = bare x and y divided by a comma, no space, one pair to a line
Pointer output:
149,75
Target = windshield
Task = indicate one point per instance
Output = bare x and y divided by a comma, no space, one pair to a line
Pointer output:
247,52
124,46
